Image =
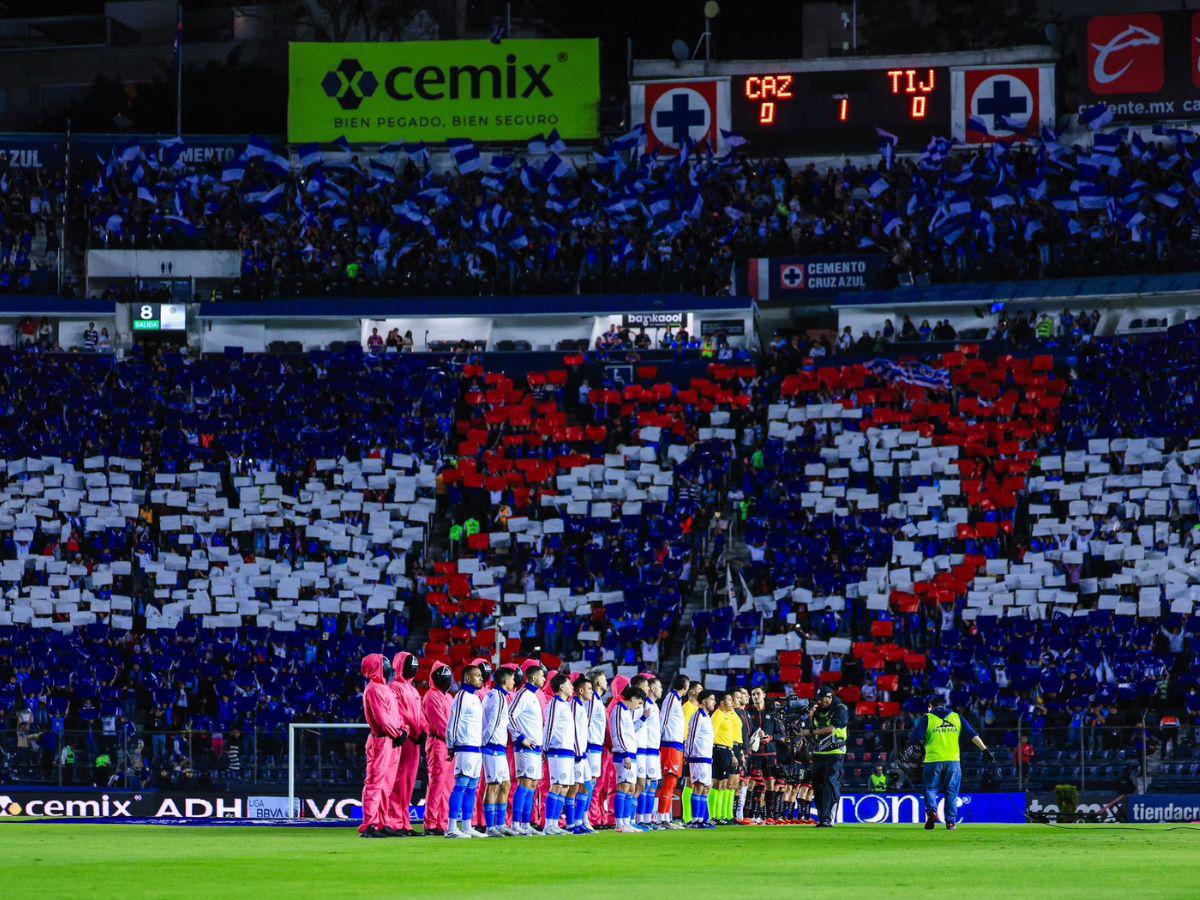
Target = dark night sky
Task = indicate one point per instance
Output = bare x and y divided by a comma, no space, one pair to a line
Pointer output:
744,28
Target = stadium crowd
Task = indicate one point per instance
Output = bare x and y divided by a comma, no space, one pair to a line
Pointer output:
944,550
339,222
31,204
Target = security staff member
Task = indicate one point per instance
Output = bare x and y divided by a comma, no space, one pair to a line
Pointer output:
831,722
941,731
879,783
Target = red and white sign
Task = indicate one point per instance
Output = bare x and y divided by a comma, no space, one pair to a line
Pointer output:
1194,43
1008,103
791,277
674,112
1125,54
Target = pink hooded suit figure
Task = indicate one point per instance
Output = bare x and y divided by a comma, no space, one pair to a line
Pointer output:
408,699
383,745
602,811
435,706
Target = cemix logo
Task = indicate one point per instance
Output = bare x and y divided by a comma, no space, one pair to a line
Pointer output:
349,84
9,806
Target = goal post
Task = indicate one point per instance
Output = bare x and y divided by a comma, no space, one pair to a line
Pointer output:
295,758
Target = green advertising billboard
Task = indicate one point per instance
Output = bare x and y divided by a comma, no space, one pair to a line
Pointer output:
433,90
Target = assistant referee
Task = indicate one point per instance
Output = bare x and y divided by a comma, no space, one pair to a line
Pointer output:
831,722
727,734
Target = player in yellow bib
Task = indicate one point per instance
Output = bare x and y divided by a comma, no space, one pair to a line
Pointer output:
940,731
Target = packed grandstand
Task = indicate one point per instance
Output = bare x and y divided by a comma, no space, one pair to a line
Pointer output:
197,552
387,222
198,549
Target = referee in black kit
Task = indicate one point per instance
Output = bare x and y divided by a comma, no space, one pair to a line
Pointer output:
831,722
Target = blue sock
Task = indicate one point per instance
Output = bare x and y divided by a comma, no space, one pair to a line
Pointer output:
704,808
527,810
489,815
696,807
569,809
456,797
470,794
519,804
644,806
554,808
619,806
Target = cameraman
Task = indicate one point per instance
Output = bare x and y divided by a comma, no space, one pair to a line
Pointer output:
831,722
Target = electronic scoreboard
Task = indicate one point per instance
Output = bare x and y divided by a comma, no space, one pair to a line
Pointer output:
840,110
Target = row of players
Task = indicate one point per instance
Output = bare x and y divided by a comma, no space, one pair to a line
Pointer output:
565,730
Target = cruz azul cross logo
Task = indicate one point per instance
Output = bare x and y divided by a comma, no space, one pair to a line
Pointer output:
678,112
1009,103
349,84
1004,103
1125,54
791,277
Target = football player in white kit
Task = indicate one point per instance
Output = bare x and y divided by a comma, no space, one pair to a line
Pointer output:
496,774
674,732
577,795
597,729
651,741
526,725
643,737
699,749
625,754
464,740
559,744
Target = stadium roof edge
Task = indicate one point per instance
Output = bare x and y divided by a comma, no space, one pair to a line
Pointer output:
1072,289
50,305
518,305
669,68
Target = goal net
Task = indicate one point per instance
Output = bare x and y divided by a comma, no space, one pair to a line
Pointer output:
325,769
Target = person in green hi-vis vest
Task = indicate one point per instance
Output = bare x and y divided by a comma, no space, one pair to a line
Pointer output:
456,534
879,783
940,731
471,527
830,720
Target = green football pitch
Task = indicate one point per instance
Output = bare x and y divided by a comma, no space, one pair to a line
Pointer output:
128,861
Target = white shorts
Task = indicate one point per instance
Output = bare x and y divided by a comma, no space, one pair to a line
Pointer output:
595,761
529,764
583,772
495,768
626,774
562,770
468,762
654,765
642,762
701,773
